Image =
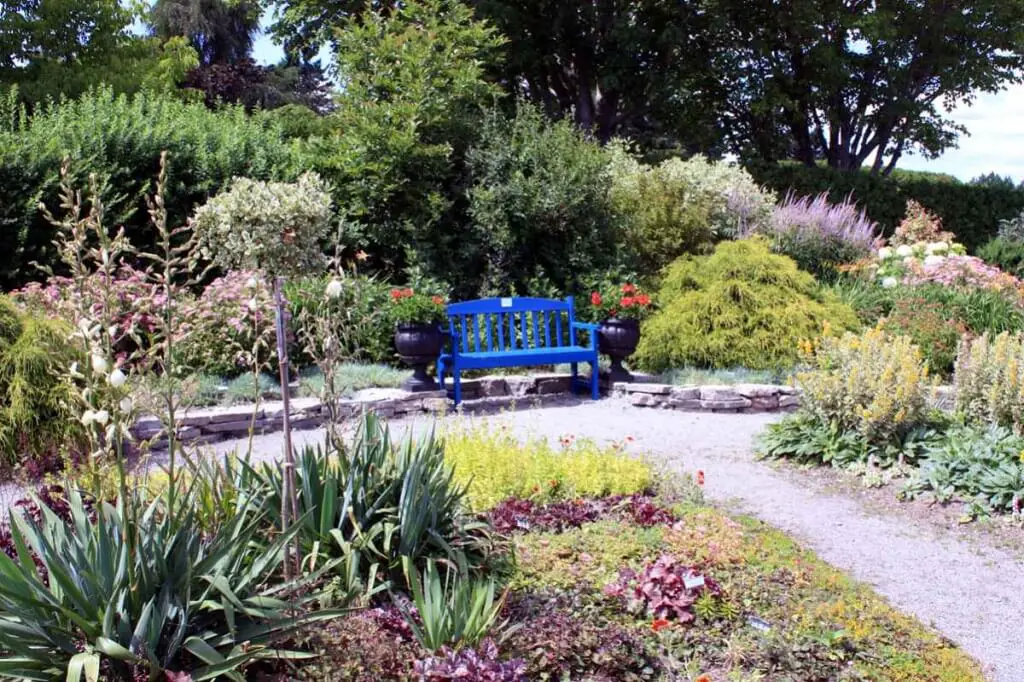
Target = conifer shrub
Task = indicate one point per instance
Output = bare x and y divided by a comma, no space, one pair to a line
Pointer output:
742,306
38,419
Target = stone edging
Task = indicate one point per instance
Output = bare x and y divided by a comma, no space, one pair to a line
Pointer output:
719,398
483,395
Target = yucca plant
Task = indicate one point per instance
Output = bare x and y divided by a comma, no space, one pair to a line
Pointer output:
453,607
78,602
382,499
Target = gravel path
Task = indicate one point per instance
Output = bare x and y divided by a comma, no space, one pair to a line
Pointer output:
973,594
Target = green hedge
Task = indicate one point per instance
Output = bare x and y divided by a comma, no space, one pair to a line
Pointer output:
971,212
120,139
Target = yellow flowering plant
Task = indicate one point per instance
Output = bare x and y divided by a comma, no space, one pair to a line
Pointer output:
874,383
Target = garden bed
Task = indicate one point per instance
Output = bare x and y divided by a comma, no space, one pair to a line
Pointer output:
598,592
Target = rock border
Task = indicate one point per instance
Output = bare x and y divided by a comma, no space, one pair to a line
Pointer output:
203,426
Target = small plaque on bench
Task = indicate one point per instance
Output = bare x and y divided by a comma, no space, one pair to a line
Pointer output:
506,303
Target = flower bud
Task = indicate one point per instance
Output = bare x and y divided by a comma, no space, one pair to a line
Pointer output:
101,417
117,379
99,364
333,289
125,404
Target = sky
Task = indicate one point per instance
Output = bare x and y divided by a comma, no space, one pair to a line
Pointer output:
995,123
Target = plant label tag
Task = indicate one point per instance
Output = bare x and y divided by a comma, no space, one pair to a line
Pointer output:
506,303
692,582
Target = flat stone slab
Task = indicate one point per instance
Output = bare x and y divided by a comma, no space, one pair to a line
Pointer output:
653,389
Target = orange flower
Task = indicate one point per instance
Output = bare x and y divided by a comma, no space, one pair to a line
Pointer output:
595,298
407,292
437,300
643,299
659,624
704,678
396,294
700,477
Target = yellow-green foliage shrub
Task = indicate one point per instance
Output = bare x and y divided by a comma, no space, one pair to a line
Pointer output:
989,379
496,465
873,383
38,418
742,306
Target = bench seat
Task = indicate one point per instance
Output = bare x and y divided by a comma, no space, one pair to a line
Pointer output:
516,332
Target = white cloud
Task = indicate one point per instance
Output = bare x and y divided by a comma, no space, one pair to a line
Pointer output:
995,144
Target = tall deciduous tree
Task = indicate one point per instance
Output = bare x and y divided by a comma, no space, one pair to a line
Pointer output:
221,31
860,82
618,67
54,47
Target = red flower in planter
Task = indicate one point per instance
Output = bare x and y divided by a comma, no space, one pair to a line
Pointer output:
438,300
407,293
628,289
595,298
627,301
643,299
396,294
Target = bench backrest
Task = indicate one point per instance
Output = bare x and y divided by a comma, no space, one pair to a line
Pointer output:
509,324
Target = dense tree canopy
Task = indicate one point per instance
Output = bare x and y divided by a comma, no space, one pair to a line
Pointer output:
62,47
860,82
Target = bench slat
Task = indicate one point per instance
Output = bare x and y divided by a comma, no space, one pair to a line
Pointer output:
465,339
547,329
536,333
501,331
476,332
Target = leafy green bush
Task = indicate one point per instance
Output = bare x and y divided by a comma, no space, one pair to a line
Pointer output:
539,207
363,301
742,306
683,207
120,139
930,327
144,595
971,212
981,463
977,310
1004,253
38,414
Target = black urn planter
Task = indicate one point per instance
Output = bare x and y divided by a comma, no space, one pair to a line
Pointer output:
418,345
618,340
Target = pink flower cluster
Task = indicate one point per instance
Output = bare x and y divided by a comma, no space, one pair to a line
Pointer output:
963,271
134,300
216,330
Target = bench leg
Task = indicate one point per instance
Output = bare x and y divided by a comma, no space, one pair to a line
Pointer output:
574,382
440,373
595,392
457,382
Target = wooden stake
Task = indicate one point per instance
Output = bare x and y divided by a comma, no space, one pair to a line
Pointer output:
289,500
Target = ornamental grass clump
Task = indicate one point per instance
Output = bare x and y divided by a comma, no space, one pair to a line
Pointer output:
989,380
874,384
742,306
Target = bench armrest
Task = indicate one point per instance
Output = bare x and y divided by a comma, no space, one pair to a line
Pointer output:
589,327
455,338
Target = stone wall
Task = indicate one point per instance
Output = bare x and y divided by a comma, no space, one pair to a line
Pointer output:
480,396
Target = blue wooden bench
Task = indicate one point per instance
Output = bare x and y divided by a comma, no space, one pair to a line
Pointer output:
516,332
